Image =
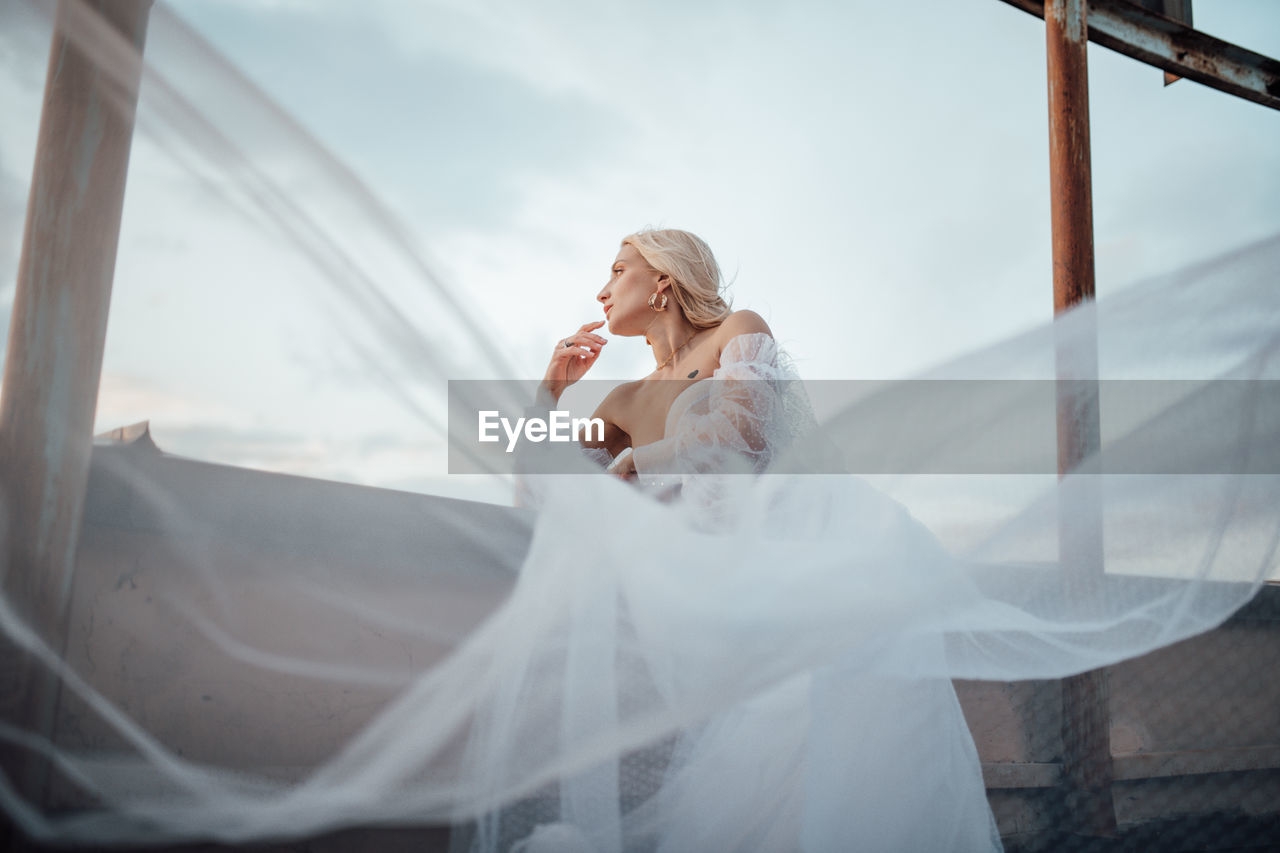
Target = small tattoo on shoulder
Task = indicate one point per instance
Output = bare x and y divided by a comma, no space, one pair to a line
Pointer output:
691,375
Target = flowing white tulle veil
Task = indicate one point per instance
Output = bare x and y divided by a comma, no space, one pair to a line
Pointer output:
760,660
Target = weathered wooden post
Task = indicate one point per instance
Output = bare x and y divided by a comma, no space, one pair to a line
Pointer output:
1086,735
57,333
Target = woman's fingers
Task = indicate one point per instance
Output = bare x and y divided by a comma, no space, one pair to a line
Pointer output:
585,333
579,348
583,339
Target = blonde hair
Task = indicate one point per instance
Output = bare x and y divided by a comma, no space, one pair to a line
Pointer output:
696,283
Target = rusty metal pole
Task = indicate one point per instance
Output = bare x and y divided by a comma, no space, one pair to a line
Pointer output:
1087,768
1071,190
58,331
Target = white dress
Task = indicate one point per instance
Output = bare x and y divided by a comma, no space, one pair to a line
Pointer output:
797,767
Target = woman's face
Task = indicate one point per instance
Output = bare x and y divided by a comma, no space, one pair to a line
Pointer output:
626,296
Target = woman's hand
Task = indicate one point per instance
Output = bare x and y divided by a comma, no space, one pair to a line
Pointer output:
572,358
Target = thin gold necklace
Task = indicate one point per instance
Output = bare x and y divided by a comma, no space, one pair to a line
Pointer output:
676,350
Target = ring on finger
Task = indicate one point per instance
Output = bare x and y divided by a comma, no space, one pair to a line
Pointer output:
567,342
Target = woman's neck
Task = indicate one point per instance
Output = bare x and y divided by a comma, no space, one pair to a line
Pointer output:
668,337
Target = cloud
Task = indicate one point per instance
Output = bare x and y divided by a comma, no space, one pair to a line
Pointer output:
447,140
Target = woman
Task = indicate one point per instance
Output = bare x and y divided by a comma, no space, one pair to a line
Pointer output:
664,285
828,757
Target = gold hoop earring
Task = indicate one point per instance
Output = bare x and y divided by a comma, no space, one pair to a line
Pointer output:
655,305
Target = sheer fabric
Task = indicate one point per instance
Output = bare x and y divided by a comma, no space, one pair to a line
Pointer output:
759,658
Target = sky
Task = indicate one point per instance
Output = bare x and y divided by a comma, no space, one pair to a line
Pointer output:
873,179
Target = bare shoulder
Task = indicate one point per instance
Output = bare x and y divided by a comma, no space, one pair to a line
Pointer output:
743,322
617,398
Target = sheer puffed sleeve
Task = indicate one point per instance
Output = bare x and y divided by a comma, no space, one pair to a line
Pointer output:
734,422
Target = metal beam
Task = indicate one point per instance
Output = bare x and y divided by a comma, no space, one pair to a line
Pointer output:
1177,10
1178,49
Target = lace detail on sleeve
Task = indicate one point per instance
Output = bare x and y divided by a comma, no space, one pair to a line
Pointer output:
757,354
